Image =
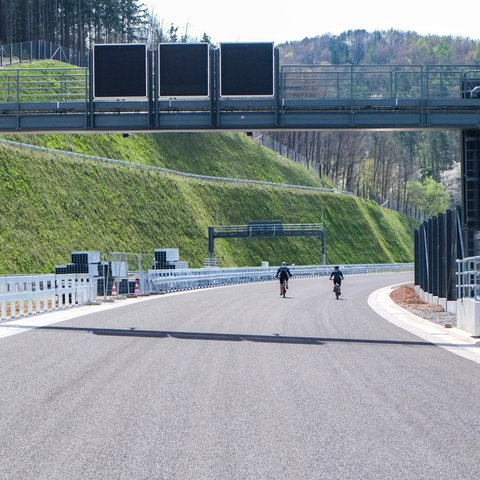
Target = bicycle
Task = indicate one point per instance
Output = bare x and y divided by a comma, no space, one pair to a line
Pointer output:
283,288
336,290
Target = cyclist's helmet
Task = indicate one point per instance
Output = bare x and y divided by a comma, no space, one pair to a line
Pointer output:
336,267
284,263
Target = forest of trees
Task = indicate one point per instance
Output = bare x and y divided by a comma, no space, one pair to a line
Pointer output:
420,169
395,166
401,166
72,23
79,24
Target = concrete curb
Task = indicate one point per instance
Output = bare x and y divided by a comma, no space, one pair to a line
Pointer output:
452,339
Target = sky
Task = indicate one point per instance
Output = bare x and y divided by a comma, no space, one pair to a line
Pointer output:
281,21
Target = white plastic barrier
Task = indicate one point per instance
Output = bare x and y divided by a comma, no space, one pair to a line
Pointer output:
22,295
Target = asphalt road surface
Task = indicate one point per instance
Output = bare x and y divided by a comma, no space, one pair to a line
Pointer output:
237,383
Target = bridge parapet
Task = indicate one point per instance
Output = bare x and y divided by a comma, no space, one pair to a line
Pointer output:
306,96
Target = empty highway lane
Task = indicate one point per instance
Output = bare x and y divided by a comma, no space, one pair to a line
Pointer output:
237,383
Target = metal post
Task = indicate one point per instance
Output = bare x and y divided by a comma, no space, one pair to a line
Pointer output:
90,110
151,91
277,86
324,258
211,245
215,88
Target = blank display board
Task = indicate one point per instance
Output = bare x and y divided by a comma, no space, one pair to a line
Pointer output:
183,69
120,71
246,69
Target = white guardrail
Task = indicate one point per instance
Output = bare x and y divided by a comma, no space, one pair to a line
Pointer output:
164,281
22,295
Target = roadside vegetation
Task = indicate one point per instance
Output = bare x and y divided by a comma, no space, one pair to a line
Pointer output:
55,203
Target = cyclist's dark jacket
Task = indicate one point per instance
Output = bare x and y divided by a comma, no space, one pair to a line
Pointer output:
337,276
283,273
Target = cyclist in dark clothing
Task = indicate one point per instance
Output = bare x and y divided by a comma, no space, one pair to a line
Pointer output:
283,273
336,276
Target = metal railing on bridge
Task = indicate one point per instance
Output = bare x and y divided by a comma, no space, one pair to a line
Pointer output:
269,229
306,96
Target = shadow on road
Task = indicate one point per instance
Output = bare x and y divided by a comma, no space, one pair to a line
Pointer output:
235,337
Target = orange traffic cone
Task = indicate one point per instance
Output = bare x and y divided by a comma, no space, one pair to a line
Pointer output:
137,287
114,289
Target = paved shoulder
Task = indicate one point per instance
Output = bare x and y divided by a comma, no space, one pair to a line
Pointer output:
453,339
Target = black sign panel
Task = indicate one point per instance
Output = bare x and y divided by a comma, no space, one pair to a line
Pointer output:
246,69
120,71
183,69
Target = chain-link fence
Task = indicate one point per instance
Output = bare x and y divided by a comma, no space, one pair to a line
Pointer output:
24,52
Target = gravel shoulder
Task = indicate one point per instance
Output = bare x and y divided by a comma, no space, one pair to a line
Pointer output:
406,297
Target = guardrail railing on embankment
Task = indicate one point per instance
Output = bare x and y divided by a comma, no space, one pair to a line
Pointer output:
165,281
24,295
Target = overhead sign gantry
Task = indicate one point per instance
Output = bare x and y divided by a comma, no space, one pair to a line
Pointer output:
265,229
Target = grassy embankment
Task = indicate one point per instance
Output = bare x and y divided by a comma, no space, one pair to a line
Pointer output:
53,204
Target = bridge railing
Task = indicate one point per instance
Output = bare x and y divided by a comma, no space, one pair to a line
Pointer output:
347,82
44,85
269,229
375,83
378,85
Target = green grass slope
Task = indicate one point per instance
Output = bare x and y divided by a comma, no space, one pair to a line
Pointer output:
229,155
53,204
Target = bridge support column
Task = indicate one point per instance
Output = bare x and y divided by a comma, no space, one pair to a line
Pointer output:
471,192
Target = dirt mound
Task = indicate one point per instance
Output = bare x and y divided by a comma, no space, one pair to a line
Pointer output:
407,297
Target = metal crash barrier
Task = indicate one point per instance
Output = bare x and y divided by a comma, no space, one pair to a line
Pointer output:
24,295
468,295
166,281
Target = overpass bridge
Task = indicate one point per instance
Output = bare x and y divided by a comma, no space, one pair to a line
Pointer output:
396,97
301,97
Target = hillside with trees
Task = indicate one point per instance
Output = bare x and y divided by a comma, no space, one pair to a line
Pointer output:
401,167
417,168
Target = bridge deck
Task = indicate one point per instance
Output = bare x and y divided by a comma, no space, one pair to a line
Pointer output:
306,97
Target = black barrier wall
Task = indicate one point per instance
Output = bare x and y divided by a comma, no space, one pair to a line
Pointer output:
438,244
